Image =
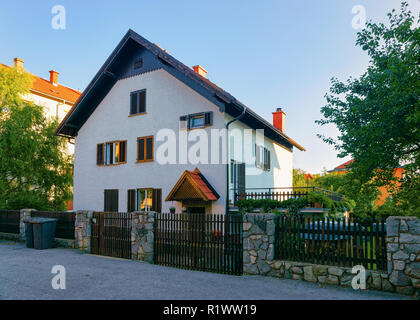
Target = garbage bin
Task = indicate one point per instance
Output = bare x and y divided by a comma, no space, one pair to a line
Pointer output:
40,232
29,233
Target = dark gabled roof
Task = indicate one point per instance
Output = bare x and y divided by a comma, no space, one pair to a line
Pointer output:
115,68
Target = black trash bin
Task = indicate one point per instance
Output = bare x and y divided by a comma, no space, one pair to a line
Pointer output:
40,232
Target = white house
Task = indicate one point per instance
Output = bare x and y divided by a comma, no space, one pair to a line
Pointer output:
150,134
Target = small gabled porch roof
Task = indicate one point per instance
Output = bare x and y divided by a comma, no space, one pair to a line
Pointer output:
192,186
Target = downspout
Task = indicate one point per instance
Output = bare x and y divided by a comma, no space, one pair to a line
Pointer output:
228,155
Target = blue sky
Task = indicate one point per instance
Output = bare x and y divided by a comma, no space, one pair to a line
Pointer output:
267,53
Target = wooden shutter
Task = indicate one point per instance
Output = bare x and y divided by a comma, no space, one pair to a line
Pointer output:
142,101
133,106
140,149
268,160
183,122
157,200
149,148
114,201
107,200
131,200
123,151
100,154
208,118
241,177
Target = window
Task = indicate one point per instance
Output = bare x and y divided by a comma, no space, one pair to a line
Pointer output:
138,102
262,158
197,120
138,63
145,149
111,200
110,153
145,199
237,176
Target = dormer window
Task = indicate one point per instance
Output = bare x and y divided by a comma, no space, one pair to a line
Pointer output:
138,102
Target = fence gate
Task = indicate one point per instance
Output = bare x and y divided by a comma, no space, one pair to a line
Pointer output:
111,234
202,242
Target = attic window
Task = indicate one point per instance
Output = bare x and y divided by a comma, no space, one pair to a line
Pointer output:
138,63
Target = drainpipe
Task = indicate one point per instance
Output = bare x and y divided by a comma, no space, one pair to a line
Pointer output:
228,155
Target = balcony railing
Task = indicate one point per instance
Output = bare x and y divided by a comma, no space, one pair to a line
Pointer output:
281,193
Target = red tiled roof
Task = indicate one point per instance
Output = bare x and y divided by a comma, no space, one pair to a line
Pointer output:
344,166
204,187
59,91
198,184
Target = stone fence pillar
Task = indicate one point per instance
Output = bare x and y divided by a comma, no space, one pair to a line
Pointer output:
403,253
258,243
24,213
82,230
142,236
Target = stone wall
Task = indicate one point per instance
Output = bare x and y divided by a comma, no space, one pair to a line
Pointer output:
403,249
142,236
403,253
82,230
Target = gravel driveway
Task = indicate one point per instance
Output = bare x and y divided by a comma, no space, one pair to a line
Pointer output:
26,274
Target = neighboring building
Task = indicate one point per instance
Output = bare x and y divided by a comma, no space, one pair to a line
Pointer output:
56,99
119,118
384,194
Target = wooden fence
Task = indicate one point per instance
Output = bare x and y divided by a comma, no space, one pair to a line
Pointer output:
9,221
111,234
65,224
211,242
331,241
274,195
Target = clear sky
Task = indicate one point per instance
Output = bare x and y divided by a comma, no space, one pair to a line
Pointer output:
267,54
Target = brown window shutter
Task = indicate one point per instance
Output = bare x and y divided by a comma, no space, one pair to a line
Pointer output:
100,154
114,205
133,106
208,118
157,200
142,101
140,149
149,148
123,151
131,200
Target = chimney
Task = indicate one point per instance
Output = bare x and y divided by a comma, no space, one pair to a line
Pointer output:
18,62
53,77
200,70
278,119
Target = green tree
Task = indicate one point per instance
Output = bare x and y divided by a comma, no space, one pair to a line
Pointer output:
378,114
35,171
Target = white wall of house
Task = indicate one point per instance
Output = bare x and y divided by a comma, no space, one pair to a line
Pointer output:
281,172
52,109
166,100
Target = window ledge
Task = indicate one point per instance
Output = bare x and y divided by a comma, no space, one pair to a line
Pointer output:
137,114
142,161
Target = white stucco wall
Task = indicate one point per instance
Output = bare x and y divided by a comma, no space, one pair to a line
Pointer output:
52,109
166,100
281,172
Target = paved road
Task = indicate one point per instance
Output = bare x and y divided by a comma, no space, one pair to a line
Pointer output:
26,274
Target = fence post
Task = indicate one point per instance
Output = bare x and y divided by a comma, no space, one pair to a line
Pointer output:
142,236
258,243
24,213
403,253
82,230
